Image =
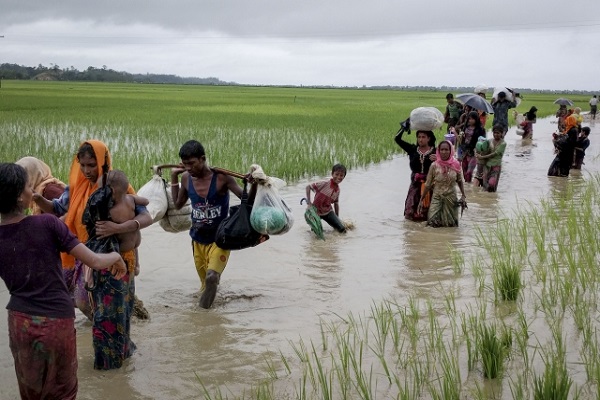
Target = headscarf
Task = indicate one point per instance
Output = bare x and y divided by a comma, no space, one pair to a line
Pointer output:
451,162
39,176
80,189
570,122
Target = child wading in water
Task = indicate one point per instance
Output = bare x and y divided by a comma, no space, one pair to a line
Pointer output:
327,192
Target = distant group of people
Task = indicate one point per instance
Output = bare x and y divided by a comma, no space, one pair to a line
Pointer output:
436,173
570,142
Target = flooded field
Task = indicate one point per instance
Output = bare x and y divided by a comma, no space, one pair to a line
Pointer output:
279,292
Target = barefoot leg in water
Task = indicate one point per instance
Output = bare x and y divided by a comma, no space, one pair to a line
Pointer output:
210,289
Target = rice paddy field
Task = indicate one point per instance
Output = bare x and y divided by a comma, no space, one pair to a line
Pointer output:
503,307
291,132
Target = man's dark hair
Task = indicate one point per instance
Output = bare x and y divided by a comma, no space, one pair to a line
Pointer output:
191,149
449,96
13,179
338,167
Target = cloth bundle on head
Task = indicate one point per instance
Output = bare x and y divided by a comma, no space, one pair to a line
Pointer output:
426,119
451,162
39,176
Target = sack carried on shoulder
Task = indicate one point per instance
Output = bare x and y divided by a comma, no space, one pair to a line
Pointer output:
235,232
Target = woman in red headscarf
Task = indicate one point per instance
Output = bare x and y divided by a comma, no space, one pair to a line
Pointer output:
111,299
443,177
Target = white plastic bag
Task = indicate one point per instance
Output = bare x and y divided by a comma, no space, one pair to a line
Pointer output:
270,214
176,220
509,95
155,191
426,119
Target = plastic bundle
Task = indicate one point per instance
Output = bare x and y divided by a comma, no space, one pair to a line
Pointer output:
426,119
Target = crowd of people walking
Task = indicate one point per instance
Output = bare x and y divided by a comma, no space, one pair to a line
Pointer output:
62,273
436,174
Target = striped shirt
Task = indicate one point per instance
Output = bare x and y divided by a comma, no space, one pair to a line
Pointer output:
326,193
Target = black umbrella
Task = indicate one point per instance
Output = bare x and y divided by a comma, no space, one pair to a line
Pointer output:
563,102
475,101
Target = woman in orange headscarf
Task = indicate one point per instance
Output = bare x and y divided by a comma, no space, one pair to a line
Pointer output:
112,300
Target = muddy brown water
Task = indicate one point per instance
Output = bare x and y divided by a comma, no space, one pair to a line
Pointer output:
279,291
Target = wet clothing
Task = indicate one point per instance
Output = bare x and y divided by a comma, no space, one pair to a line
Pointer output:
327,192
443,211
580,146
419,164
209,256
527,126
466,150
501,112
112,305
493,165
45,354
565,147
75,280
40,317
334,221
207,213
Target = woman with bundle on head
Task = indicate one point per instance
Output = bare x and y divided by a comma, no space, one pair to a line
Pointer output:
443,178
420,158
112,299
40,311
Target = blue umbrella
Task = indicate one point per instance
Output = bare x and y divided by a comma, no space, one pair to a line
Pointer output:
475,101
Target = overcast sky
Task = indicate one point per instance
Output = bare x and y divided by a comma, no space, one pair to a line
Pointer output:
538,44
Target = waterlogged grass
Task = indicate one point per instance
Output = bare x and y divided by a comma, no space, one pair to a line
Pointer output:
292,132
535,337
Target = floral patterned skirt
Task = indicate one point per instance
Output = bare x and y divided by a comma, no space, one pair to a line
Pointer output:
412,202
45,354
112,303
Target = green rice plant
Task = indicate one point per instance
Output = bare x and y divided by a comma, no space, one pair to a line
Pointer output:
458,261
491,350
518,388
470,340
506,278
449,383
555,383
325,381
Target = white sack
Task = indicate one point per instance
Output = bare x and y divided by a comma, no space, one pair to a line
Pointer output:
426,119
176,220
155,191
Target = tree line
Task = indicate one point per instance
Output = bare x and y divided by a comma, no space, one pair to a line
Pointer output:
93,74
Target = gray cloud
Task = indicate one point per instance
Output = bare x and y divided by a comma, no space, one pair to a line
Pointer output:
537,44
